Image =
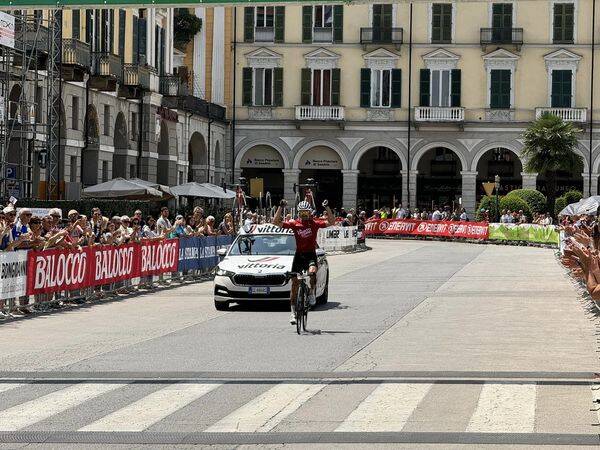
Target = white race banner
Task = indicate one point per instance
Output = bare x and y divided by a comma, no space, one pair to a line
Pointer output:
7,30
13,274
337,238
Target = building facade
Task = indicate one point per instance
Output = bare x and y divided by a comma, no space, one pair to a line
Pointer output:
325,92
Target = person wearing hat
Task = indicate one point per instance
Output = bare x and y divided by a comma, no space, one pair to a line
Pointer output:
126,230
180,227
209,227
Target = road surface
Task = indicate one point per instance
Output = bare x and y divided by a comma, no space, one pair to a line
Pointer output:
428,344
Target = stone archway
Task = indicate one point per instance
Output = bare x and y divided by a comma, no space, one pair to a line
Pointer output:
379,178
124,165
167,157
90,155
264,164
439,180
197,158
499,161
14,103
324,165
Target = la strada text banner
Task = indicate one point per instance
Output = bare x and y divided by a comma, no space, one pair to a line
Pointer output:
410,227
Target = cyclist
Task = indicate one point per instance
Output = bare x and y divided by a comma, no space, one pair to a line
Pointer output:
305,230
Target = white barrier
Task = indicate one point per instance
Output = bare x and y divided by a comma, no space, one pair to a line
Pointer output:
338,238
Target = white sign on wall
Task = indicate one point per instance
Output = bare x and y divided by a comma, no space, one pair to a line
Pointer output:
322,158
7,30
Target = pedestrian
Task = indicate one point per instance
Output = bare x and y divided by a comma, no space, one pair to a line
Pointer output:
163,224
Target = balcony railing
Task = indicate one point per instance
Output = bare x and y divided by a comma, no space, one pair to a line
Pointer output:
136,75
322,35
307,112
501,36
439,114
32,34
264,34
173,86
566,114
381,36
75,52
195,105
105,64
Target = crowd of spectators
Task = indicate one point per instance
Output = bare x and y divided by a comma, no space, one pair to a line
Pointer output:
437,213
21,229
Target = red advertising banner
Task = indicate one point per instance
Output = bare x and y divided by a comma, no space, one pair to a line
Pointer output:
110,264
57,270
470,230
159,257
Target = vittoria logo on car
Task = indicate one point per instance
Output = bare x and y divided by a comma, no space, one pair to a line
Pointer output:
267,228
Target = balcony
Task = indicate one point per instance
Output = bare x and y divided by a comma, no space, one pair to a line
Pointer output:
566,114
136,80
501,36
264,34
185,102
326,113
34,39
439,114
75,59
106,71
322,35
172,86
379,36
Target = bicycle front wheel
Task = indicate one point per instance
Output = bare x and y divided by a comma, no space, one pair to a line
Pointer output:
299,306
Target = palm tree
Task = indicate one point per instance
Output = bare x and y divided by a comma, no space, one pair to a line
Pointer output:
549,144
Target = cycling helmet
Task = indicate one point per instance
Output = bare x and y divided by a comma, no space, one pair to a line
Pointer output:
304,206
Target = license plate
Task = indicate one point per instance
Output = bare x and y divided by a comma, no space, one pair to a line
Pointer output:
259,290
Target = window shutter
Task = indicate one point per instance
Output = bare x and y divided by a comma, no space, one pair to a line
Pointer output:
561,89
338,23
279,24
249,24
447,22
135,49
162,51
156,46
88,25
76,24
396,88
335,87
305,87
494,89
278,86
455,88
424,87
122,33
111,31
247,86
307,19
103,23
142,39
365,88
436,23
558,25
568,21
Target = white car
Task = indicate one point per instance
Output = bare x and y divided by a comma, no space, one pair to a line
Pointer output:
254,268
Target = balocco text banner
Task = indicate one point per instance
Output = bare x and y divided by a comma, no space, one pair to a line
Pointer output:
392,227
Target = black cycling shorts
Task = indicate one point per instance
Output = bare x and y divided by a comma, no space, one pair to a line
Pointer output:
303,260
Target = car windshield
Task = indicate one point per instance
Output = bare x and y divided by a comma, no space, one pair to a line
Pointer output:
263,244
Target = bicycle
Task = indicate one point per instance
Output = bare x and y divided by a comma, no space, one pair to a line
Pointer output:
301,305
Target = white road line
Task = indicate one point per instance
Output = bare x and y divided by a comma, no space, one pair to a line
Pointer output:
152,408
8,386
387,408
33,411
504,408
266,411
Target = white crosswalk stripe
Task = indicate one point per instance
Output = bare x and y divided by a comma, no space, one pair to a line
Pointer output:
152,408
387,408
267,410
33,411
9,386
504,408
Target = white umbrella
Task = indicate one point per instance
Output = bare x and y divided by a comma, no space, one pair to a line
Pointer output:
121,188
160,187
588,205
218,190
193,189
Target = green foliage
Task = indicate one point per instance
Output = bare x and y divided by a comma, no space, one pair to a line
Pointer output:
486,203
186,27
514,203
535,199
559,204
572,197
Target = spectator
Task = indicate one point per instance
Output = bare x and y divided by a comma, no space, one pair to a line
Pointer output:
226,226
163,224
149,230
437,215
463,215
137,215
180,227
209,228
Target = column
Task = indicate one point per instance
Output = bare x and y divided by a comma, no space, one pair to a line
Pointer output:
290,177
586,184
350,189
595,183
412,183
405,188
529,180
469,180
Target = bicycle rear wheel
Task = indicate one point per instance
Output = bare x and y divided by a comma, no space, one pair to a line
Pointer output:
299,306
305,309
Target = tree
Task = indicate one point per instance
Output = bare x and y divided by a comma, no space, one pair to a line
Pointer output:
549,144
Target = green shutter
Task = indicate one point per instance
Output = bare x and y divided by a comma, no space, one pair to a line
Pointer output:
249,24
88,25
111,31
335,87
305,87
500,89
278,86
382,23
76,24
122,33
441,26
455,88
424,87
247,86
365,88
338,24
561,89
142,24
279,24
436,23
396,88
564,17
307,22
569,22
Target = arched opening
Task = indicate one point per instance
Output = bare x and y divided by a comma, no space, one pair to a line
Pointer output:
379,178
566,180
263,164
124,166
324,165
14,103
439,181
502,162
165,165
198,159
90,154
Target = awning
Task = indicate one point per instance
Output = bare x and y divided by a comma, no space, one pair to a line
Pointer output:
122,188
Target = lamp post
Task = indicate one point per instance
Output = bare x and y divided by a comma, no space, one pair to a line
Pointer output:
497,186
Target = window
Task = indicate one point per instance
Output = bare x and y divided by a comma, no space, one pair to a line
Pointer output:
440,88
122,17
500,86
441,23
321,87
323,16
265,16
134,126
76,24
322,23
73,169
107,120
104,171
381,87
264,24
263,87
382,23
561,89
564,23
75,112
502,22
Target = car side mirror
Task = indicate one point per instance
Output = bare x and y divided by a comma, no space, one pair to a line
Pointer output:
222,252
320,252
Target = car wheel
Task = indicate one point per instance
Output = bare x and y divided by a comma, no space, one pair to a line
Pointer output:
325,295
221,306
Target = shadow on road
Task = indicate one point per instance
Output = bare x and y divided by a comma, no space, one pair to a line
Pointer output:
260,306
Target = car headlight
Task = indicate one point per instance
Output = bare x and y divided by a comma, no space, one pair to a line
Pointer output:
223,273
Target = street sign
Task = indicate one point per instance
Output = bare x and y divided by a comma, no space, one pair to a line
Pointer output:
489,187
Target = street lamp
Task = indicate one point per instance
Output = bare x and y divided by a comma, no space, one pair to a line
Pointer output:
497,186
